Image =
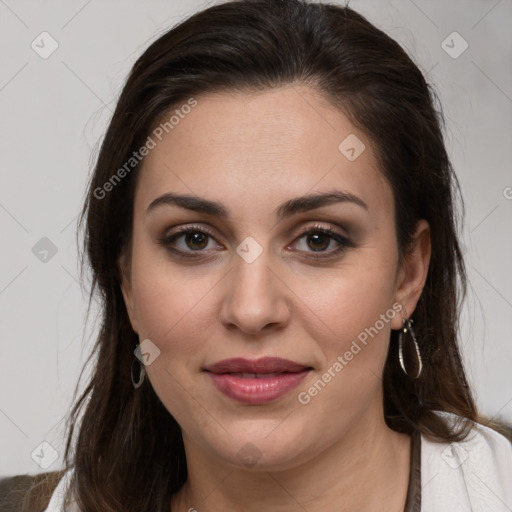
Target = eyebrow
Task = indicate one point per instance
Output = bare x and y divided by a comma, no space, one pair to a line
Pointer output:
287,209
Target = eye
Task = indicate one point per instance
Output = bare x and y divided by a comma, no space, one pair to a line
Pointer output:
189,239
195,241
318,239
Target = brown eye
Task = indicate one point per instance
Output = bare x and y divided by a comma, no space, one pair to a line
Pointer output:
189,240
318,241
196,240
324,242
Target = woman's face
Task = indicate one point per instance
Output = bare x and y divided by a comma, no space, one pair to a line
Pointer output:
258,276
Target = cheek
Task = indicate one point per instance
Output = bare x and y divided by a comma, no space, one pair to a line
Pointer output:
171,305
166,305
352,300
352,332
171,312
351,325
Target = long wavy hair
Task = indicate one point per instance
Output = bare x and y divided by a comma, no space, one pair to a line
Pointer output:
127,453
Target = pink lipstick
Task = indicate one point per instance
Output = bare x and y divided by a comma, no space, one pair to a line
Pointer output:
256,381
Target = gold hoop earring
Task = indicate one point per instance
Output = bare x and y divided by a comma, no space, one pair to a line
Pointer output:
409,352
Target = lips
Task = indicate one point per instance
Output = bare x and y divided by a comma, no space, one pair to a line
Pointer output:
256,381
264,365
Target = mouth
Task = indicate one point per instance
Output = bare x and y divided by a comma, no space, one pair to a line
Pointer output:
256,381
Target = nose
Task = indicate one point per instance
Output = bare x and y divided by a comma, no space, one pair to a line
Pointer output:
256,300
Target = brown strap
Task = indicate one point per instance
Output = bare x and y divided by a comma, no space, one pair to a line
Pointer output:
413,500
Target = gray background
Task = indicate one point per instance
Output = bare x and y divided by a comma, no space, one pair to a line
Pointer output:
54,111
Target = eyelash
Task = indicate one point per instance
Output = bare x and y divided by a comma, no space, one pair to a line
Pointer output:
168,239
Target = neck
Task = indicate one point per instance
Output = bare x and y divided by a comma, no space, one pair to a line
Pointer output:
366,470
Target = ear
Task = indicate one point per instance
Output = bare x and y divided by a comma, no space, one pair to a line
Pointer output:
412,273
124,265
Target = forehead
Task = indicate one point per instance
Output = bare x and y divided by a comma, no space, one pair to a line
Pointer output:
256,148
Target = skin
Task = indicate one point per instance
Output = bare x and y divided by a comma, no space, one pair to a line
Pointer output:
252,152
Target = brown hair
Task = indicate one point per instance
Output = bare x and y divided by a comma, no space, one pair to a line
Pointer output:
129,451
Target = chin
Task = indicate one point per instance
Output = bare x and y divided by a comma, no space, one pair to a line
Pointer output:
263,446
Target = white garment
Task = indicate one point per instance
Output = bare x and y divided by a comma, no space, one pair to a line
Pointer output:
57,500
474,475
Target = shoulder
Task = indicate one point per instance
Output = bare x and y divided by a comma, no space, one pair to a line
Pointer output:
483,445
484,434
472,474
30,493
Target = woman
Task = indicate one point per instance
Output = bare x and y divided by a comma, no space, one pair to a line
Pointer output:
271,225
